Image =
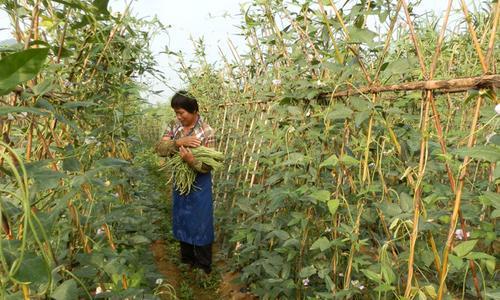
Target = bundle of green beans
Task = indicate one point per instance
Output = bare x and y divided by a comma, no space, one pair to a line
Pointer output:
183,175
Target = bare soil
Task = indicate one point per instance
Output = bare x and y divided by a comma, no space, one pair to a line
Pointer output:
187,282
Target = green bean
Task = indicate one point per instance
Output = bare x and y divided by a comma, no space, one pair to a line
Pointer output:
183,175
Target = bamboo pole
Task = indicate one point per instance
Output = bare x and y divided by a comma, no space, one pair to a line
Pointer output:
415,40
338,57
458,198
473,35
387,42
418,192
493,33
108,42
347,37
457,85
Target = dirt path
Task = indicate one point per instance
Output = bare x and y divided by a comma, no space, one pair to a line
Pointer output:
187,283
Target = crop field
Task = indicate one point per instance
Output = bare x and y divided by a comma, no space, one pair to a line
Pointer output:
360,144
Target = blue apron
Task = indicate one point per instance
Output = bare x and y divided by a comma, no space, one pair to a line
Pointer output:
193,213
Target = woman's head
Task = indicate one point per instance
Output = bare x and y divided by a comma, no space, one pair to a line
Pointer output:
185,107
184,100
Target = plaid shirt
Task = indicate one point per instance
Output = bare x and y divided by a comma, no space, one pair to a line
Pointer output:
201,130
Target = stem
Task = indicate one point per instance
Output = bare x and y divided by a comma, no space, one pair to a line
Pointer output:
458,198
418,192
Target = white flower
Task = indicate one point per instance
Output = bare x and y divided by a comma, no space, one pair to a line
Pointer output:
361,287
459,234
328,229
388,152
320,83
98,290
489,136
497,109
10,117
23,114
276,82
291,129
100,231
159,281
238,246
341,274
308,113
107,183
90,140
305,281
116,195
371,165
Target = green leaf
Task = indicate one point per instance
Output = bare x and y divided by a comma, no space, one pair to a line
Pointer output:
372,275
295,110
490,265
71,164
322,244
33,270
102,6
77,104
139,239
112,162
333,205
493,294
431,291
384,288
349,160
496,173
400,66
20,67
66,291
339,112
456,262
5,110
43,87
281,234
464,248
307,271
295,158
361,35
321,195
331,161
46,177
489,153
479,255
406,202
490,199
388,274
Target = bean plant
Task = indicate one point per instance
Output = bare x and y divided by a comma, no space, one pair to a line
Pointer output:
80,194
355,167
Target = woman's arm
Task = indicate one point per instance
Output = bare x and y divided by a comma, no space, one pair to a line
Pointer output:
189,158
166,147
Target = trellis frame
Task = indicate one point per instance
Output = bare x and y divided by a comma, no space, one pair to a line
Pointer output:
430,87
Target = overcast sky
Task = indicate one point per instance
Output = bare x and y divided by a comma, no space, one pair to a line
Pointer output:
215,20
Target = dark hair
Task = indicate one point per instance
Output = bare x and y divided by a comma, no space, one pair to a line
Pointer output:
184,100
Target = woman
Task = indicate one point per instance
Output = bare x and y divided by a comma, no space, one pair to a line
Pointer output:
192,213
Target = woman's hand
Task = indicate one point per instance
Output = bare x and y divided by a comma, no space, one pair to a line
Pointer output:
186,155
188,141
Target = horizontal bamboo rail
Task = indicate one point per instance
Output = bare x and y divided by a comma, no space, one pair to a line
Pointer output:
445,86
457,85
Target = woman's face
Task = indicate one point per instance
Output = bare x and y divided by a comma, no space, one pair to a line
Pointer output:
186,118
